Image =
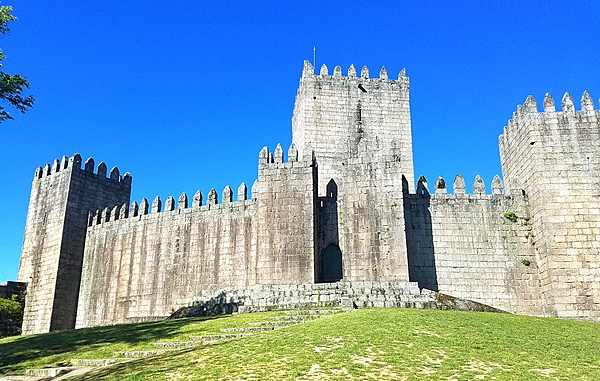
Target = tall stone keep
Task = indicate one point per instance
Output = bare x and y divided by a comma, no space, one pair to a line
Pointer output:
61,197
554,158
360,132
345,119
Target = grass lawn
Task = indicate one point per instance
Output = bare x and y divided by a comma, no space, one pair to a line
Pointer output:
374,344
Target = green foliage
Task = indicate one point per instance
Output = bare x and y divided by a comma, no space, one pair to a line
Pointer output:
11,85
6,16
11,317
511,216
382,344
9,308
526,262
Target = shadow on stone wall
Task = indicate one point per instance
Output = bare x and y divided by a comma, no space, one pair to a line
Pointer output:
221,304
328,261
419,236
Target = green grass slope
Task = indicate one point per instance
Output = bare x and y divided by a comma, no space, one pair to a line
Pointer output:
374,344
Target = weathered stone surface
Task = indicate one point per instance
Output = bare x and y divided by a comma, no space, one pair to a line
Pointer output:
342,207
554,158
55,236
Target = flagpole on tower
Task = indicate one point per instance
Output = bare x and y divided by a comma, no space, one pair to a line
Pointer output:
315,57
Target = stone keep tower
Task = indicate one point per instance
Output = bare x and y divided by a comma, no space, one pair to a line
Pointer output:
554,157
359,129
57,219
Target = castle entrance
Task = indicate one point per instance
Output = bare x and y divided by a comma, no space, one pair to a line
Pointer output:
331,263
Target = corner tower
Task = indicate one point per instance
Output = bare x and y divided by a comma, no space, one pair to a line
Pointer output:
554,157
62,195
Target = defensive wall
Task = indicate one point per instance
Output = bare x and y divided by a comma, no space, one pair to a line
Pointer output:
62,195
554,157
342,208
464,245
141,266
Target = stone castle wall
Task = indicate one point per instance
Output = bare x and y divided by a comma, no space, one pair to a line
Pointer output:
61,197
140,266
146,265
286,217
463,245
554,157
342,207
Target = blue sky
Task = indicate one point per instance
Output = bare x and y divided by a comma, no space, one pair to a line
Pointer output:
184,94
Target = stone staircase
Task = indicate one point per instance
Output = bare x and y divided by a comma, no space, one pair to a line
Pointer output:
340,294
291,317
345,295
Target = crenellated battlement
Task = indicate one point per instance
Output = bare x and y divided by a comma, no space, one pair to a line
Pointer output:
565,137
459,186
308,73
74,162
527,116
268,159
180,206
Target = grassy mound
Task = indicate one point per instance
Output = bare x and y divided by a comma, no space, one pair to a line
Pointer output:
376,344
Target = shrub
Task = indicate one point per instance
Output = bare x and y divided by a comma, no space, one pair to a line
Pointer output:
9,308
511,216
11,317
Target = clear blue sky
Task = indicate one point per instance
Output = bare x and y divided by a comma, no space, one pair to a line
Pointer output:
184,94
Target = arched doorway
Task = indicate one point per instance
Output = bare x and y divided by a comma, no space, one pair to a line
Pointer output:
331,263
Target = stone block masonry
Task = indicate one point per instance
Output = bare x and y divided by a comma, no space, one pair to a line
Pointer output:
339,209
360,131
554,156
62,196
140,266
463,245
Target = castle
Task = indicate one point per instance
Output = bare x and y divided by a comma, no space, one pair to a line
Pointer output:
340,206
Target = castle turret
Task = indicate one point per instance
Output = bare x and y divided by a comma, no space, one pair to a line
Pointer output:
285,191
554,157
62,196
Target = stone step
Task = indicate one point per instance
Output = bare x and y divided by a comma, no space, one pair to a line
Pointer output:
312,312
176,344
146,353
221,337
76,372
93,362
278,322
301,318
50,372
253,329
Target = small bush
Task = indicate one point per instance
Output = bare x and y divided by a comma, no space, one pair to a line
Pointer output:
526,262
9,308
511,216
11,317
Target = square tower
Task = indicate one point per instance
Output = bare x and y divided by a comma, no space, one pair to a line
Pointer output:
61,198
359,130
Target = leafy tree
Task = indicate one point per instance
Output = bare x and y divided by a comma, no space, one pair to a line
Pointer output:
11,86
